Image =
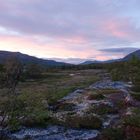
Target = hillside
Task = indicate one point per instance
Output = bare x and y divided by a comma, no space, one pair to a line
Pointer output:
129,56
27,59
100,62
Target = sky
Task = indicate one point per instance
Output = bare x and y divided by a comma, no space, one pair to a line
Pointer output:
70,30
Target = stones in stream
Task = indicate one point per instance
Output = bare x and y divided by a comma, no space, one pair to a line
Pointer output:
55,133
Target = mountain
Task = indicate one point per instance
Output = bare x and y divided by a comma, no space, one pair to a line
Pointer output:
27,59
126,58
89,62
129,56
99,62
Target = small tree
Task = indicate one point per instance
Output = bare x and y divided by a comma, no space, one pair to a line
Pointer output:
12,72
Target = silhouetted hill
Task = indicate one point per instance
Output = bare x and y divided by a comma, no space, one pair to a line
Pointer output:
129,56
27,59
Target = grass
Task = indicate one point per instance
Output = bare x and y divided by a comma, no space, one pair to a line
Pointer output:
52,87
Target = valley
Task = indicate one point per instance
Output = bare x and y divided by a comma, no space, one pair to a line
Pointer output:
84,105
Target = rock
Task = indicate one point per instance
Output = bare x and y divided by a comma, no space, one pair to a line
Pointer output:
56,133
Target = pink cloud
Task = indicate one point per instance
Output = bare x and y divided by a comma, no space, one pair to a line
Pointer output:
29,46
120,28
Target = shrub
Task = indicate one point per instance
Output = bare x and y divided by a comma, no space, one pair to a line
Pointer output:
36,118
87,121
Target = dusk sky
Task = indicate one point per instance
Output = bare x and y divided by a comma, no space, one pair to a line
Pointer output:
74,30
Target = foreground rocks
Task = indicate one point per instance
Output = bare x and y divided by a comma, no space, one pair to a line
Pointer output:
53,133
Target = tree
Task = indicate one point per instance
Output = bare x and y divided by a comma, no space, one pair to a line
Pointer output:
12,72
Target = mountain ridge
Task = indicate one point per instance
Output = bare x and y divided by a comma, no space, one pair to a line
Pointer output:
129,56
126,58
26,59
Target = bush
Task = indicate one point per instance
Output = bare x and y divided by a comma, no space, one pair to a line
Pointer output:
36,118
88,121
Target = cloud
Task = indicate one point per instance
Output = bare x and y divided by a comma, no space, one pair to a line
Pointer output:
70,28
119,50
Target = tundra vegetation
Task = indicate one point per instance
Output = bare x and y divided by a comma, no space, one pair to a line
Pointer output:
28,93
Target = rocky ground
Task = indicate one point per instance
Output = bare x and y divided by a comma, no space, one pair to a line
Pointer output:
86,113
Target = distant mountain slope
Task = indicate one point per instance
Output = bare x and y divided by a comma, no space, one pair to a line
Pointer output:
129,56
100,62
89,62
26,59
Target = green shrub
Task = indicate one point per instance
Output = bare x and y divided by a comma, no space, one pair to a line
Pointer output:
36,118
